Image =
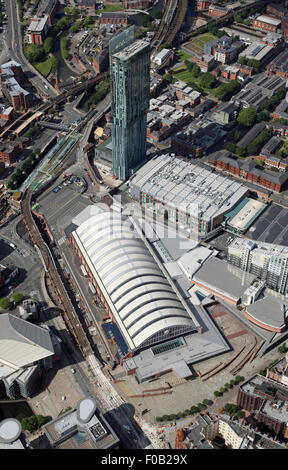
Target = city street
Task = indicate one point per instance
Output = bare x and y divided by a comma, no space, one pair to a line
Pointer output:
15,50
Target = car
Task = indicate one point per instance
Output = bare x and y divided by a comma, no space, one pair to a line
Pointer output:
73,371
55,190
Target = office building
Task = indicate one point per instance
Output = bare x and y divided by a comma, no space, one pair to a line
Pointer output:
25,350
38,29
84,427
130,84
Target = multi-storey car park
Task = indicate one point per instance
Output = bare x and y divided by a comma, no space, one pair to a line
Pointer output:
185,193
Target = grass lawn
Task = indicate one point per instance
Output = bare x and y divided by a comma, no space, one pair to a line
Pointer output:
207,37
44,67
199,43
200,40
181,55
187,77
116,7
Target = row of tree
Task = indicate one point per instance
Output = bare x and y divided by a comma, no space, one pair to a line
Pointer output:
255,64
100,92
182,414
226,90
21,173
5,302
228,385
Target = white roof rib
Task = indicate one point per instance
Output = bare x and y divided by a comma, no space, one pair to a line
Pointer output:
140,297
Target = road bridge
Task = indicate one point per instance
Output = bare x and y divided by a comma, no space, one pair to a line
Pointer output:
53,125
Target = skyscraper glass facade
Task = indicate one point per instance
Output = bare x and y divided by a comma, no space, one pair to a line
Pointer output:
130,85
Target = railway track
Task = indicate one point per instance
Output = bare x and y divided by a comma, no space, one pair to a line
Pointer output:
70,316
164,27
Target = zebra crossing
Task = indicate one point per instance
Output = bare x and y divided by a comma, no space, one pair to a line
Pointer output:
61,241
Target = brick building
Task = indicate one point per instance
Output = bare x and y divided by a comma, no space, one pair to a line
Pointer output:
48,7
89,5
117,18
203,4
140,4
279,65
267,402
100,60
217,11
206,62
249,170
12,76
276,10
38,29
267,23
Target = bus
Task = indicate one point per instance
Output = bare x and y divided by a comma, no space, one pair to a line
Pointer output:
83,271
92,288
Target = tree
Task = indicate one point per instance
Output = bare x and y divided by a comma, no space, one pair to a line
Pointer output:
263,115
189,65
30,424
5,303
208,80
158,14
168,77
41,420
195,71
226,90
17,297
34,52
282,348
54,64
217,394
207,402
246,117
194,409
231,409
48,44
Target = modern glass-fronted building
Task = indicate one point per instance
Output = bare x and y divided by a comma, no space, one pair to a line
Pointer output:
130,84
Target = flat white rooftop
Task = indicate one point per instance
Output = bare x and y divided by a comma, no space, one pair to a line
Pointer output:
187,186
131,50
269,20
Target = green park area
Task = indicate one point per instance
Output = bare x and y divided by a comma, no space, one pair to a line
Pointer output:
47,66
196,45
115,7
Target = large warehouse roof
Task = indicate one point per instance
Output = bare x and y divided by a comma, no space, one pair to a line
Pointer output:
136,290
187,186
21,342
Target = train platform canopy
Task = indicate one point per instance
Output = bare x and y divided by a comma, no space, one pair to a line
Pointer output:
137,290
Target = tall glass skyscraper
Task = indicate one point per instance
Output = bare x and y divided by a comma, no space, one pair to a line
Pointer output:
130,85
